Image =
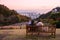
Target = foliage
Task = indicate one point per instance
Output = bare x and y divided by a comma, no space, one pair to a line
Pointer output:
8,16
52,17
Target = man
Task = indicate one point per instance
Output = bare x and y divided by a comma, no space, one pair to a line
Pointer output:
31,22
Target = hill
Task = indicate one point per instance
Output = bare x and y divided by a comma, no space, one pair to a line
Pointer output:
52,16
8,16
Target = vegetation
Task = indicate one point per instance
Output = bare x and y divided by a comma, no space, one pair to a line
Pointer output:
52,17
8,16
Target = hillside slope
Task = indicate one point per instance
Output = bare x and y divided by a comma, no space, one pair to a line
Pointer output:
8,16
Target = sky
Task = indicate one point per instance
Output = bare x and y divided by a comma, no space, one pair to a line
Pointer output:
42,5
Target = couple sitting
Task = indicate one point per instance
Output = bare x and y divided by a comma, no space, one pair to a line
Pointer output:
39,23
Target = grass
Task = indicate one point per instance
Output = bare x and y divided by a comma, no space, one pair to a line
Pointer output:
20,34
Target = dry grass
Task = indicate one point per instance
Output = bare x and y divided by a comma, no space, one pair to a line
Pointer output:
20,34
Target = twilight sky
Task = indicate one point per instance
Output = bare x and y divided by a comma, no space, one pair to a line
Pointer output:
42,5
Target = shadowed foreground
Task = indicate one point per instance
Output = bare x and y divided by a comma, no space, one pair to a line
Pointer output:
20,34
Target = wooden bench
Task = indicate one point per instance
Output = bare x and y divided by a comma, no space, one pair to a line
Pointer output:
34,29
48,29
31,29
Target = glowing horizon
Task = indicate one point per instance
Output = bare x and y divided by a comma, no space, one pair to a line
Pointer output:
43,5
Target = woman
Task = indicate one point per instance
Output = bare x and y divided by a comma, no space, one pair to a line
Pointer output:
39,23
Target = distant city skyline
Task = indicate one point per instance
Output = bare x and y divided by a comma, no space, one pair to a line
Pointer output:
41,5
29,13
